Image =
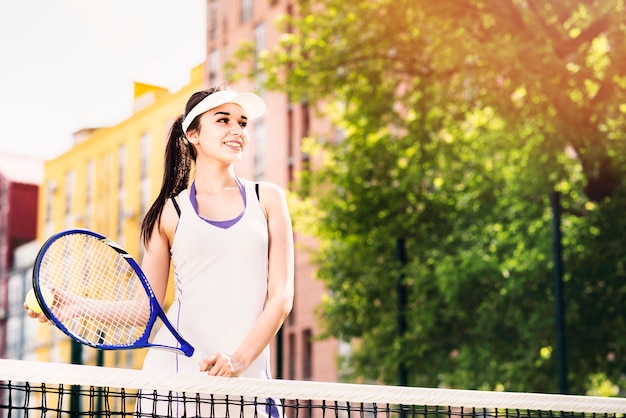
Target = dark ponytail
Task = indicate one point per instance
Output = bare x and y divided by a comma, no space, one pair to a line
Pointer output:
179,158
179,155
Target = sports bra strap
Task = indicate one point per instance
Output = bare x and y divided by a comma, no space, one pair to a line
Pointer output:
175,205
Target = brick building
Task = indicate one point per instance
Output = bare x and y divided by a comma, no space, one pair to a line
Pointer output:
19,187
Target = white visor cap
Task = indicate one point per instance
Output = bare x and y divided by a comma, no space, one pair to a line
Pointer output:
253,106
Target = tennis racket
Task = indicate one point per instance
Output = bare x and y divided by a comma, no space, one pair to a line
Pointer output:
102,298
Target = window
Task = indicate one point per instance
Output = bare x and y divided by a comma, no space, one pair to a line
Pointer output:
213,11
145,154
121,165
51,189
144,174
104,211
305,158
121,195
14,337
259,45
90,193
214,66
259,139
307,354
69,198
292,357
291,318
290,150
306,120
259,38
246,10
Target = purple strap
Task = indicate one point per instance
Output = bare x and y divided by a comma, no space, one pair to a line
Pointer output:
220,224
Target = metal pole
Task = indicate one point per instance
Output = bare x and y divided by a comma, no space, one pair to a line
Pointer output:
279,354
403,379
559,311
100,399
76,358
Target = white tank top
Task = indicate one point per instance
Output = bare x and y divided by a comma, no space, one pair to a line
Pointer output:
220,285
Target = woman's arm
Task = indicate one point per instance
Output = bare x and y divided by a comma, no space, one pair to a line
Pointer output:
280,288
156,259
155,265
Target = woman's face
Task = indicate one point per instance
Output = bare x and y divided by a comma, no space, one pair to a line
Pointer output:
221,133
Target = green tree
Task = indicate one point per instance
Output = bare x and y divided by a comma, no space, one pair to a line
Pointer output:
457,118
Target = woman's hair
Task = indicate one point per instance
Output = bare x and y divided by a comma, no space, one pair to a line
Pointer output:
179,158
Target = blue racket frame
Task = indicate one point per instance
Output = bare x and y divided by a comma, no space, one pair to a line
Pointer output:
156,311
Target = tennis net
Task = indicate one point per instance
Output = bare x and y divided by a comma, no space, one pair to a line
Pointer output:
37,389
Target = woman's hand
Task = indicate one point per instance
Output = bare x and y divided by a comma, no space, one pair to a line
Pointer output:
63,305
222,365
32,314
34,310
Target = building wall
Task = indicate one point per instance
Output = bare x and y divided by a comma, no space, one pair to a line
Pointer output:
18,216
21,331
279,143
20,221
22,213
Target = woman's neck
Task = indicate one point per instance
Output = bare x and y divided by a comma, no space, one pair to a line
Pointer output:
213,180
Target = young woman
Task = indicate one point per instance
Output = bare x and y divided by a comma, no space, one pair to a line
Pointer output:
229,240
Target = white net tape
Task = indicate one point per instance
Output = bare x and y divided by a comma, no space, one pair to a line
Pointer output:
54,373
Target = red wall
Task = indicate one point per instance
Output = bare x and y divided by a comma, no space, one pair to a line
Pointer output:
22,219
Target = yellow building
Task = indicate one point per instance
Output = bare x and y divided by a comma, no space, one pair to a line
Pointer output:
106,182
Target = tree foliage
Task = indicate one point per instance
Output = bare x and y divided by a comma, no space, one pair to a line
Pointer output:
457,119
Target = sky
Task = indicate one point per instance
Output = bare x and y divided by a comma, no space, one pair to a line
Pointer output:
71,64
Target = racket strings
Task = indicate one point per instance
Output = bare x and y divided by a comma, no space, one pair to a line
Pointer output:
98,295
